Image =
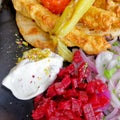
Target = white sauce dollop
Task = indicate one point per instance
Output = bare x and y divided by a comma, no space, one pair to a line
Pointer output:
29,78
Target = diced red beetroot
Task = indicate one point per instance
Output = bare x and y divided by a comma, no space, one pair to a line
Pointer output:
91,87
50,108
66,81
83,97
94,100
37,100
76,105
59,88
70,93
102,88
66,71
99,115
103,100
98,82
88,112
58,113
40,111
64,105
77,57
70,69
89,117
38,114
71,115
82,86
87,108
61,73
74,81
51,92
58,118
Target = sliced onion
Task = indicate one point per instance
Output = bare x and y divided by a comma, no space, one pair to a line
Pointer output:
114,40
112,64
103,60
112,114
115,48
118,87
101,77
116,76
91,62
115,100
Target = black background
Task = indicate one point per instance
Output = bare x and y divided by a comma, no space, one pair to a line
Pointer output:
10,107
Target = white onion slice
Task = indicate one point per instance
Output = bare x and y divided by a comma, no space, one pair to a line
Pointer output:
102,61
112,114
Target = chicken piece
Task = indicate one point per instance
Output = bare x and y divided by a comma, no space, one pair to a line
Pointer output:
91,44
98,19
116,0
33,9
108,5
33,34
102,3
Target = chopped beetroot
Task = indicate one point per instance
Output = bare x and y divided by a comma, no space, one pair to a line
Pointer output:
70,93
99,115
104,101
83,97
69,70
66,81
89,112
64,105
59,88
51,108
58,118
77,57
82,86
70,114
74,81
102,88
71,96
38,100
56,115
76,106
91,87
51,92
40,111
94,100
61,73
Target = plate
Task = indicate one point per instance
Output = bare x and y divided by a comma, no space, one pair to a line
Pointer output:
10,107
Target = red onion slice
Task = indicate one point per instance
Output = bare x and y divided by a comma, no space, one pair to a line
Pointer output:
91,62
